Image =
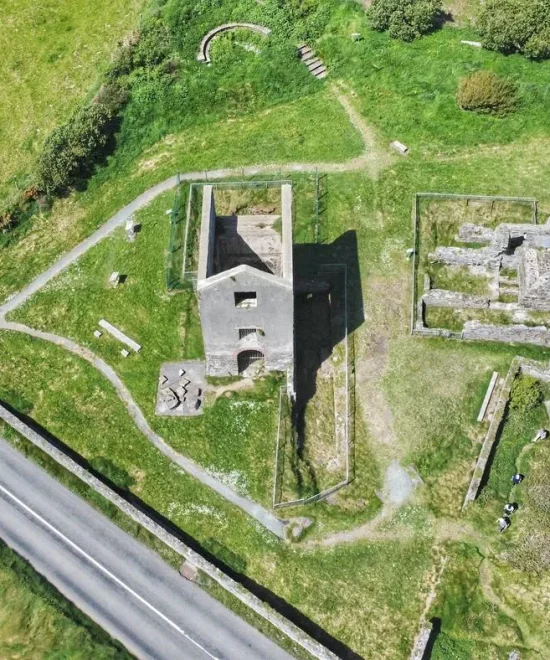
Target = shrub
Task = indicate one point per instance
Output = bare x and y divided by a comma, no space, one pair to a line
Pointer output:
71,151
486,92
153,46
526,394
511,26
405,19
113,95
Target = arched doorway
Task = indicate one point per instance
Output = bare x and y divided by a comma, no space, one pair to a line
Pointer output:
249,361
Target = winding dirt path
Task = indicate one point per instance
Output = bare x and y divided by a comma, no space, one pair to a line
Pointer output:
369,161
262,515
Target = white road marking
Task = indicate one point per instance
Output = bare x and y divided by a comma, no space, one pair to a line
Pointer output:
105,570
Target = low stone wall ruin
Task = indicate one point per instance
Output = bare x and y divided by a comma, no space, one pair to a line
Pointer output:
510,334
477,331
455,299
492,433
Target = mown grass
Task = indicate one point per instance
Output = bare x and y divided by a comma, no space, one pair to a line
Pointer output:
37,621
434,389
352,578
409,90
52,57
236,436
295,132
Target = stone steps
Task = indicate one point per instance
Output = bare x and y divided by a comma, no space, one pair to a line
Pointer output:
313,63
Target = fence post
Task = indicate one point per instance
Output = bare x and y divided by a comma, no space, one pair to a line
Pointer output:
316,205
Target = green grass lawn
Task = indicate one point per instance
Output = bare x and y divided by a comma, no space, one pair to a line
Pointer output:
37,622
433,389
297,132
354,577
417,400
236,436
53,55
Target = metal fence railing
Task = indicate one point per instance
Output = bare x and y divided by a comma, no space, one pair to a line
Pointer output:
175,244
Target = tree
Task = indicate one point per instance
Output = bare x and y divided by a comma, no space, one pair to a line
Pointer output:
516,26
72,149
405,19
486,92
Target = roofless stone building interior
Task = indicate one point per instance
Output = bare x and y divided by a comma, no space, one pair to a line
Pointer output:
245,289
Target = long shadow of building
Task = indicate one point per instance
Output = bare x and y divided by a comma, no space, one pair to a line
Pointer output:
328,306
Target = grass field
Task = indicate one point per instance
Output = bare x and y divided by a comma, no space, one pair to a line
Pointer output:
432,391
37,622
53,56
417,401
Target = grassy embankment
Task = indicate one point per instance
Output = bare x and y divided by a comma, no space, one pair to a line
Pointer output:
37,621
52,56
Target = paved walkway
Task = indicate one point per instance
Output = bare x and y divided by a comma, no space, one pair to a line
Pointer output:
365,162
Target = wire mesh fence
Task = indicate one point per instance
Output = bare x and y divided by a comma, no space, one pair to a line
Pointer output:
175,244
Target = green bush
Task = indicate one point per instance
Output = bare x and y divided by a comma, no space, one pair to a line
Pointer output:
405,19
516,26
113,95
526,394
447,648
486,92
71,151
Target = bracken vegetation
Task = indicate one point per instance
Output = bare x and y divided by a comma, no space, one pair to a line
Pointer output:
486,92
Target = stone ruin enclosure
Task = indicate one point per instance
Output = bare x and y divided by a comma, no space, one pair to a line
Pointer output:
245,289
509,248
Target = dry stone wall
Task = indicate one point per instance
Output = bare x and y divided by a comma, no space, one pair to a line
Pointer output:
492,433
454,299
512,334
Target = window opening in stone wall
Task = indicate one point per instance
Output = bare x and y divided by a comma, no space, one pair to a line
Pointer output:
246,332
246,299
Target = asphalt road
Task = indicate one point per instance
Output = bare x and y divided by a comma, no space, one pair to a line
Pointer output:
122,585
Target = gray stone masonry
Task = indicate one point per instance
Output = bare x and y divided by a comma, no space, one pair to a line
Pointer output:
513,334
181,389
492,433
454,299
421,643
245,289
534,279
469,233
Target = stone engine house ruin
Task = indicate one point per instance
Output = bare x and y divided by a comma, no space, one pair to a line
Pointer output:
245,289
